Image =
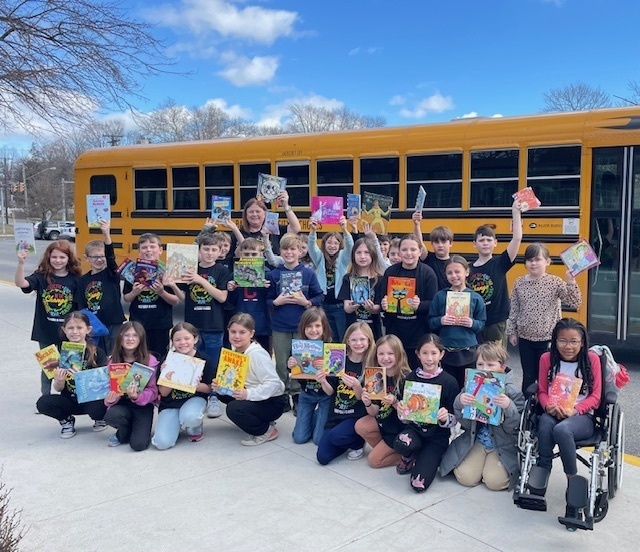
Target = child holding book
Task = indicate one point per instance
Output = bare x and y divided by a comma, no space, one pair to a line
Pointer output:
381,425
422,445
484,452
536,307
55,282
441,238
313,402
64,407
347,406
132,414
182,409
151,306
457,332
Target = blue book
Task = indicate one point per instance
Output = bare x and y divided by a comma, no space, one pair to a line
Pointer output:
484,386
92,384
220,208
354,205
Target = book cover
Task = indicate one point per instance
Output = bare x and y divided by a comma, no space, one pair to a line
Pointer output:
398,291
126,269
71,356
48,359
484,386
458,304
420,199
354,205
291,283
327,209
334,358
181,372
376,210
23,237
98,209
117,372
271,223
527,199
220,208
306,352
420,402
249,271
579,257
375,382
564,391
360,289
181,258
269,186
232,371
92,384
145,272
138,375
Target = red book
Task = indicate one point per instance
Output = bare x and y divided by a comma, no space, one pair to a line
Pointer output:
117,372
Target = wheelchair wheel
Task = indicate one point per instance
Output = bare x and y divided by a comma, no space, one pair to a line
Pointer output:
616,451
602,507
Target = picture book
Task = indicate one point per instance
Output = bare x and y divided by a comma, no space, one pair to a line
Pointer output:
98,209
291,283
564,391
579,257
145,272
92,384
23,237
271,223
249,271
420,402
269,186
71,356
376,210
527,199
138,375
117,372
334,358
458,305
220,208
126,270
420,198
306,352
375,382
354,205
398,291
327,209
48,359
484,386
181,372
232,371
181,258
360,289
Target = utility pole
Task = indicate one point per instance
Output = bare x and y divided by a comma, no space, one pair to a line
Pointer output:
64,197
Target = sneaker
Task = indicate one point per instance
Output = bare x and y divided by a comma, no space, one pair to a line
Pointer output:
113,441
355,454
100,425
68,428
213,407
270,435
195,434
405,465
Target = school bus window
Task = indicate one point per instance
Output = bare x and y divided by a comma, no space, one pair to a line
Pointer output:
554,175
297,183
150,186
249,180
335,177
218,180
441,177
104,184
608,165
494,177
557,192
381,175
186,188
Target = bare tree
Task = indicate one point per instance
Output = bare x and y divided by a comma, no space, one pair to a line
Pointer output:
576,96
168,123
313,118
59,59
11,532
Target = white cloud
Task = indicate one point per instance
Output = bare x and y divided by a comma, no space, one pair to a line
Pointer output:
433,104
234,111
470,115
368,50
243,71
397,100
355,51
276,114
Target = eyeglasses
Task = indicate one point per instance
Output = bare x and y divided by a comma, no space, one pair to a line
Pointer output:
572,343
131,336
96,257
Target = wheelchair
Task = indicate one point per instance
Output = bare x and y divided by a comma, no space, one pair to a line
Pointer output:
604,458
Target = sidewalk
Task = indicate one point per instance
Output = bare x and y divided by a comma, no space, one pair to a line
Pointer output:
79,495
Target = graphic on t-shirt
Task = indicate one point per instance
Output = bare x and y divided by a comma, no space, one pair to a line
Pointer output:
483,284
198,294
57,300
147,296
93,294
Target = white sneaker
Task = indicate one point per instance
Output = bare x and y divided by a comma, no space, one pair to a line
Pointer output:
355,454
270,435
68,429
213,407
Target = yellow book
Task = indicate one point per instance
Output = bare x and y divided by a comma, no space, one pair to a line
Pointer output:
48,359
232,371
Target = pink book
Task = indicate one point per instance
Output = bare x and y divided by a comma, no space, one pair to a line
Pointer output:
327,209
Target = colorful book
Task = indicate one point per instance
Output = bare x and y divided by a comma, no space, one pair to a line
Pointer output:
117,372
327,209
354,205
48,359
420,199
92,384
71,356
398,291
420,402
220,208
138,375
376,210
232,371
271,223
334,358
181,258
145,272
249,272
126,270
360,289
375,382
306,352
269,186
484,386
579,257
98,209
291,283
181,372
527,199
458,305
564,391
23,237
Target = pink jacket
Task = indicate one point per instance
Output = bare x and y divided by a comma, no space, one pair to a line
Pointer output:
149,393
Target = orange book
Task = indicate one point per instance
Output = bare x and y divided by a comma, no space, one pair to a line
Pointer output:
564,391
398,291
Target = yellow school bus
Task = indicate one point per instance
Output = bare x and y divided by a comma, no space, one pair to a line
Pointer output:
583,166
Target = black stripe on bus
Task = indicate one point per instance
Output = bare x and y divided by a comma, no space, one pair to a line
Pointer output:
111,230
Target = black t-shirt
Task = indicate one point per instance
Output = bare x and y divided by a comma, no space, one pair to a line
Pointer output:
345,405
490,281
374,320
438,267
148,308
387,416
201,309
53,302
177,398
100,359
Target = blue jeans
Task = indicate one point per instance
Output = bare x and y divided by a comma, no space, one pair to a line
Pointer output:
211,343
170,420
337,440
337,320
564,433
313,410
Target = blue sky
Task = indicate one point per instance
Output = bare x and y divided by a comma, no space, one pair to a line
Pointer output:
411,61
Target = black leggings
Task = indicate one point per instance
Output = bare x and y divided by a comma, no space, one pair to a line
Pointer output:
133,423
61,407
254,417
428,454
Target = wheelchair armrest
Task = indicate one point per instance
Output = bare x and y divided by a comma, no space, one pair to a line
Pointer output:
531,390
611,397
